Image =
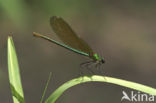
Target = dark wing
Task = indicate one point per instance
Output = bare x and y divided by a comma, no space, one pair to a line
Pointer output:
68,36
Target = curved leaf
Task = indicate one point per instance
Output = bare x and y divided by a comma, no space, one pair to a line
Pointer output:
58,92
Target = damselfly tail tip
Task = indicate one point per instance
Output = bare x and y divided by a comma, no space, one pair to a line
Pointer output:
36,34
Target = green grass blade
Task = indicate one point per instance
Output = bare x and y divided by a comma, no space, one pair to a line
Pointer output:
136,86
14,73
45,89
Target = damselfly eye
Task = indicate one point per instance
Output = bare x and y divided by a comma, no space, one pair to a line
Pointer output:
102,61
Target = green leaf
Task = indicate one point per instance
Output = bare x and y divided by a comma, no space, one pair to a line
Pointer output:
45,89
136,86
14,73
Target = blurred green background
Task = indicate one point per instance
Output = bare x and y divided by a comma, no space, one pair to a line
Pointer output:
123,32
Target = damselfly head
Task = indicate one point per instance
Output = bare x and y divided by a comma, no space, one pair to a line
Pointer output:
102,60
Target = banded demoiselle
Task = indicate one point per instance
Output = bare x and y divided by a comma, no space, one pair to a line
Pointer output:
70,40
